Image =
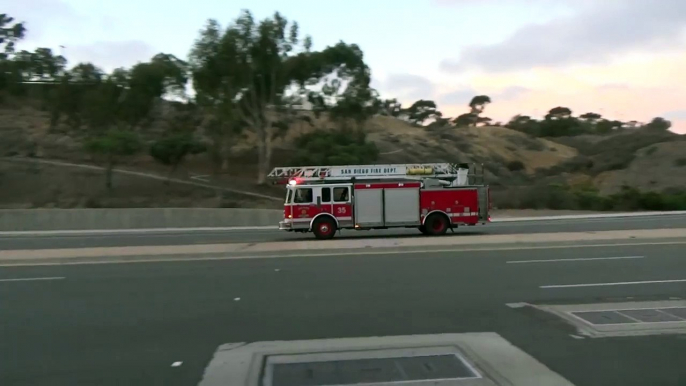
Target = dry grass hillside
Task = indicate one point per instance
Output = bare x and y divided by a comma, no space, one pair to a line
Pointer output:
400,142
513,160
656,167
645,159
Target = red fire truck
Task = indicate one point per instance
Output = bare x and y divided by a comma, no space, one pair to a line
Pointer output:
432,197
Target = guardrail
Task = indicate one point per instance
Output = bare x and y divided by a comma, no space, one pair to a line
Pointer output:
51,221
144,218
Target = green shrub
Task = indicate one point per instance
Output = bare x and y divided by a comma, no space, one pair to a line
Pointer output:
338,147
559,196
515,166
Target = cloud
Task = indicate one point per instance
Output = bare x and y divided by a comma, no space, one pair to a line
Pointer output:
594,34
41,15
510,93
109,55
409,87
613,86
458,97
675,114
451,3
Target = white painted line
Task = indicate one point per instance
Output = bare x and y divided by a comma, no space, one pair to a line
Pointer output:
573,259
201,177
176,364
34,279
330,254
516,305
613,284
589,216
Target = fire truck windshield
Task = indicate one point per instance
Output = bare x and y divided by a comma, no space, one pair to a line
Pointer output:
303,196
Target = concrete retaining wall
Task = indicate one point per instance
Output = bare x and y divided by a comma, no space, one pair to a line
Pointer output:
94,219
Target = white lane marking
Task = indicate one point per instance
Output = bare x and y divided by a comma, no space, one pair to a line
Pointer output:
516,305
236,299
573,259
176,364
34,278
419,254
613,284
589,216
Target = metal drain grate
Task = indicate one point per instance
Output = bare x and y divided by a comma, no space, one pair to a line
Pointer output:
372,370
602,317
628,316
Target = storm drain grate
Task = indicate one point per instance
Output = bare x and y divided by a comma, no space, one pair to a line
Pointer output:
372,370
628,316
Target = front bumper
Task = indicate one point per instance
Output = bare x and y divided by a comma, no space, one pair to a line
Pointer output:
285,226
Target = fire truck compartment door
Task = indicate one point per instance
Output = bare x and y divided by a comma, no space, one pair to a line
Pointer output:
369,207
401,206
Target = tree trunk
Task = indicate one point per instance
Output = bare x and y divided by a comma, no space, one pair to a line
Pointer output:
108,174
171,174
225,152
261,162
264,154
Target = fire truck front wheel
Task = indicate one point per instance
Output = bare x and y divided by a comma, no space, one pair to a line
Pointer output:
437,224
324,228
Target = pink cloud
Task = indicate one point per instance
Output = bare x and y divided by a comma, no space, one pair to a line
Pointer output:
638,87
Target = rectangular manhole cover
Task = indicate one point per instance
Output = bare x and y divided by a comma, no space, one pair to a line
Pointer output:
650,316
629,318
603,317
372,370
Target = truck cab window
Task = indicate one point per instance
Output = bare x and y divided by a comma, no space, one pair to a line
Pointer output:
303,196
340,194
326,194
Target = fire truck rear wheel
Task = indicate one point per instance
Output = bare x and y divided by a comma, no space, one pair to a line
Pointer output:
324,228
437,224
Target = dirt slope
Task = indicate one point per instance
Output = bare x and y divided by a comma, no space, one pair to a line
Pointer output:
496,145
25,132
656,167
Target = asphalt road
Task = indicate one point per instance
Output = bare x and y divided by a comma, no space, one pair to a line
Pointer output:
125,324
252,236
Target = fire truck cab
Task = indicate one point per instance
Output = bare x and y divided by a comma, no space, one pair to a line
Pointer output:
430,197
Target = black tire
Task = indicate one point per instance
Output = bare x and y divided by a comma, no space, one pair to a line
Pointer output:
437,224
324,228
422,229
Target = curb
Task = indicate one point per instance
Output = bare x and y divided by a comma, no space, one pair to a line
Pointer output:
275,227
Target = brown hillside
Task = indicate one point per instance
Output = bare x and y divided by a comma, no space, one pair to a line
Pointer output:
399,142
25,132
657,167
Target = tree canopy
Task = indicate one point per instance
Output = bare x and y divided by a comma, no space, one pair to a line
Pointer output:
255,73
251,79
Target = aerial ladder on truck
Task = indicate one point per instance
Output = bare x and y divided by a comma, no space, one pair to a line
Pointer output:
432,197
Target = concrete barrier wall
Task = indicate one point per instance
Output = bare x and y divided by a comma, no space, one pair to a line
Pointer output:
93,219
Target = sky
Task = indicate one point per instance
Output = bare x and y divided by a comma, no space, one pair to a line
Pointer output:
624,59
